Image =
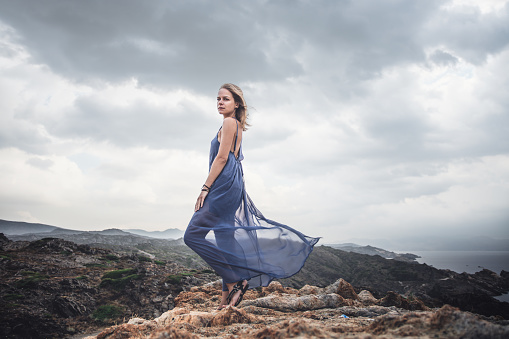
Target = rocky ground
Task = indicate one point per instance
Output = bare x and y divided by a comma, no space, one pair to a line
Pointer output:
53,288
336,311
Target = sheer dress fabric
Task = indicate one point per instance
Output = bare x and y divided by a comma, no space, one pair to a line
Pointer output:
234,237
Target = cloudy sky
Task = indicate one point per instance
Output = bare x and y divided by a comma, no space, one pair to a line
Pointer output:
370,119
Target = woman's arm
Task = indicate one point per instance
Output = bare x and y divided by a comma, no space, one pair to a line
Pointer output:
227,136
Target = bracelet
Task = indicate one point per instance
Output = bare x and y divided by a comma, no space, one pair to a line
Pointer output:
204,190
205,186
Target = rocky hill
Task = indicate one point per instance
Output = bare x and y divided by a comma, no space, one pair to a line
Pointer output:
56,288
19,227
53,288
371,250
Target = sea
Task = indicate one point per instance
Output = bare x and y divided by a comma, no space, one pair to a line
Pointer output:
467,261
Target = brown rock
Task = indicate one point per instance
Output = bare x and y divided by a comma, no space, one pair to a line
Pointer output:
366,298
346,290
394,299
292,329
184,299
232,315
307,289
308,313
194,318
292,303
126,331
173,333
274,286
448,322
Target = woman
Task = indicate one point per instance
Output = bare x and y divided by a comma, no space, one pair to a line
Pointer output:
227,231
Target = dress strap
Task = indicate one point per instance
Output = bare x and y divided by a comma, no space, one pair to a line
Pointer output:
235,143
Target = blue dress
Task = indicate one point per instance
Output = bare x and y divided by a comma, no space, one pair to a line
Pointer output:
234,237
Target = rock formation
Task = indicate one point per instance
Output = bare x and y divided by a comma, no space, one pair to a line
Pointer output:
311,312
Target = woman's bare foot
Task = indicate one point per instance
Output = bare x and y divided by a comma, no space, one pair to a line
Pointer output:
223,304
238,291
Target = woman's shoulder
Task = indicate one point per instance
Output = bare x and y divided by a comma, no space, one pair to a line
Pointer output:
229,122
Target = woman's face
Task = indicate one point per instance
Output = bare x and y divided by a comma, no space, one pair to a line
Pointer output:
225,103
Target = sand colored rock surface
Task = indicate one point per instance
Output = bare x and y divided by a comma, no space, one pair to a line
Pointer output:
335,311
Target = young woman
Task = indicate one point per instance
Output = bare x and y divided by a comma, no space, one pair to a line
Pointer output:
227,231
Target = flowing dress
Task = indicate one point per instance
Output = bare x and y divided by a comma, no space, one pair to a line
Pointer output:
234,237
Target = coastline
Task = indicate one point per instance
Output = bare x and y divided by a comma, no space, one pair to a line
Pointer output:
467,261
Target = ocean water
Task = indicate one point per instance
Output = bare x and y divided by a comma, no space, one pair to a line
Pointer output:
467,261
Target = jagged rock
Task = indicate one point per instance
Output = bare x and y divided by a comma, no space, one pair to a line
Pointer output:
276,312
292,329
138,321
3,241
185,299
342,288
394,299
232,315
307,289
448,322
126,331
194,318
291,303
275,286
173,333
366,298
68,306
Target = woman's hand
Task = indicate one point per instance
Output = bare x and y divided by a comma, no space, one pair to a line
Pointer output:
200,200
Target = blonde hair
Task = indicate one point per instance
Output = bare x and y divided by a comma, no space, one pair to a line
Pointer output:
241,112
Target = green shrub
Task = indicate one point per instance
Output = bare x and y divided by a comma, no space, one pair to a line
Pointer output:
177,278
5,257
111,257
107,312
119,279
82,277
31,280
142,258
159,262
207,271
120,283
174,279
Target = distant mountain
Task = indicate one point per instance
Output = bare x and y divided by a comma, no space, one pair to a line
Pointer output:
18,227
22,228
439,243
171,233
111,231
370,250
